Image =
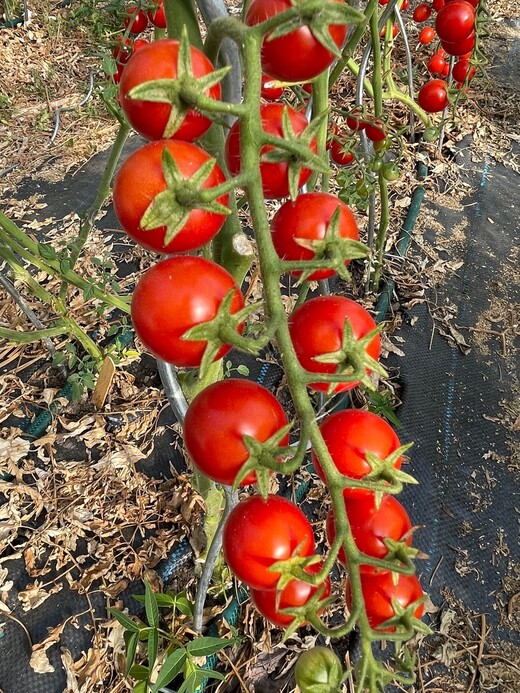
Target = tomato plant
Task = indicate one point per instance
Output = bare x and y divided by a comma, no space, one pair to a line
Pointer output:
298,55
260,532
317,328
218,419
371,525
349,435
299,224
275,175
175,295
433,96
154,119
379,591
145,201
270,603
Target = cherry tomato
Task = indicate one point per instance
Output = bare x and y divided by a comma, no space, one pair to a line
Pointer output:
371,526
141,178
349,435
427,35
175,295
436,64
316,328
122,50
379,590
275,178
270,93
307,218
295,594
158,60
445,71
422,12
157,15
437,5
339,154
433,96
136,19
455,21
375,131
390,171
318,669
140,43
463,70
460,48
260,532
395,31
405,5
355,121
297,56
219,417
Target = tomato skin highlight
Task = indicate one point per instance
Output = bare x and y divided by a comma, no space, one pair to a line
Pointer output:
275,178
258,533
173,296
307,218
298,56
433,96
349,435
296,593
158,60
371,525
219,417
141,178
316,328
379,589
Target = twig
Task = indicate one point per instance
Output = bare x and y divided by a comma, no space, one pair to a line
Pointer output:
480,652
435,570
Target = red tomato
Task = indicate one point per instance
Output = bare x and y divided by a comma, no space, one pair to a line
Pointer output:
351,433
275,178
355,121
436,64
422,12
395,31
260,532
405,4
140,43
136,19
379,590
445,71
141,178
219,417
316,328
338,152
297,56
296,593
270,93
371,525
375,131
461,47
307,218
433,96
157,15
122,50
437,5
158,60
462,70
427,35
175,295
455,21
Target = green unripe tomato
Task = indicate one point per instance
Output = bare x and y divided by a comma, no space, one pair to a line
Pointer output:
380,145
318,670
361,188
390,171
376,164
430,134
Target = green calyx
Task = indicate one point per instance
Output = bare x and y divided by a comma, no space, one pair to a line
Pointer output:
182,93
172,207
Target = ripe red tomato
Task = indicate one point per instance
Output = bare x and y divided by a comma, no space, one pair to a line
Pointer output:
405,5
275,176
140,43
379,590
157,15
463,70
141,178
175,295
455,21
422,12
355,121
296,593
122,50
338,152
270,93
307,218
351,433
436,64
136,19
433,96
219,417
375,131
260,532
437,5
297,56
158,60
427,35
371,525
460,48
316,328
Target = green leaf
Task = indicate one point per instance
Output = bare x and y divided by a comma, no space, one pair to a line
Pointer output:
153,646
202,647
125,620
243,370
169,670
131,640
46,251
184,606
141,687
150,605
139,672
